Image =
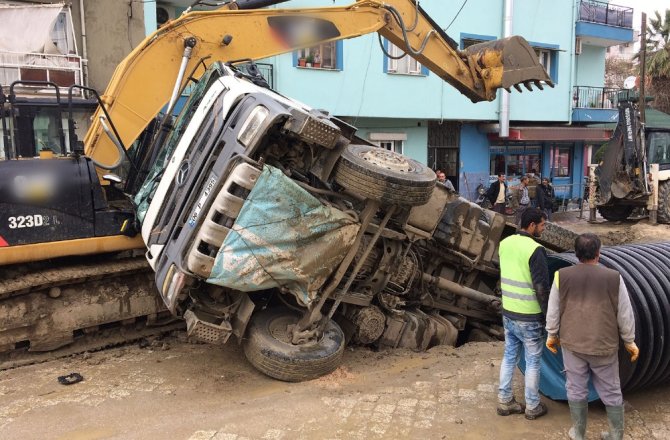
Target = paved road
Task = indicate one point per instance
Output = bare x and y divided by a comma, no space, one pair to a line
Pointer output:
174,390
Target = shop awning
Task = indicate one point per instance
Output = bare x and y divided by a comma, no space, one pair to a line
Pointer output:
586,134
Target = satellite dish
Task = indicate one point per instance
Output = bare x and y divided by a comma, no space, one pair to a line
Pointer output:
629,83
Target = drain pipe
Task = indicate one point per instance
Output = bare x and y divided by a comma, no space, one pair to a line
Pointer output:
84,49
503,117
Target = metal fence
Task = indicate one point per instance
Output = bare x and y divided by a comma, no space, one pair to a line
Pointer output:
64,70
594,97
604,13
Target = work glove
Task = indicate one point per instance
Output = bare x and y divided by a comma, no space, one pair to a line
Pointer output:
631,348
553,342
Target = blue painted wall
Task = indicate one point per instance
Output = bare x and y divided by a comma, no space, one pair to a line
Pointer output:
474,161
591,66
363,89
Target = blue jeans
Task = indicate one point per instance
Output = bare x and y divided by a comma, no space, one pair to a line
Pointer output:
530,336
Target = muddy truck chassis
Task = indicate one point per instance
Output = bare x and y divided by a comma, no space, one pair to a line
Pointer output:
262,218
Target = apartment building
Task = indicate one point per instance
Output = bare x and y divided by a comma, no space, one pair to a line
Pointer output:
400,105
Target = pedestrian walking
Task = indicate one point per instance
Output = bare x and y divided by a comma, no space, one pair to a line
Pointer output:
497,194
589,309
524,281
545,197
524,199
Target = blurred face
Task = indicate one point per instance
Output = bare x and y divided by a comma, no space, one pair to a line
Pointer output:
441,177
545,182
501,178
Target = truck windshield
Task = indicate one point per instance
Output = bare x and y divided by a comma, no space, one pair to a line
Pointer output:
146,192
659,147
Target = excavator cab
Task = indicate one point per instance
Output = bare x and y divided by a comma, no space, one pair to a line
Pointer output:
49,192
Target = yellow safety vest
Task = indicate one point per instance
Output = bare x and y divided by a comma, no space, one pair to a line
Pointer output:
516,283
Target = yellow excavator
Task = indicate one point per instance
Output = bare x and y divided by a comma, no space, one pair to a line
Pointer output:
185,183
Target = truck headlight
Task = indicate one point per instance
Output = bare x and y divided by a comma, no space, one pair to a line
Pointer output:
252,126
172,286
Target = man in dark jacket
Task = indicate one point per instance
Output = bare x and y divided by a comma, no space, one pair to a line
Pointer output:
590,307
545,197
497,194
524,281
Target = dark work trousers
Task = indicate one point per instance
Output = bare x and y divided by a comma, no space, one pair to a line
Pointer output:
604,370
499,208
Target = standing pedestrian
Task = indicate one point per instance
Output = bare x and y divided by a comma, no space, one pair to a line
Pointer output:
524,281
524,199
497,194
590,309
545,197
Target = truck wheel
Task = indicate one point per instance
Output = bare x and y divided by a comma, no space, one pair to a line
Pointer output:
664,202
385,176
268,348
615,213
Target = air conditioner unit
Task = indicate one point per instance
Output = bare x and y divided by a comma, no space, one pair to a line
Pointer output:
164,13
578,46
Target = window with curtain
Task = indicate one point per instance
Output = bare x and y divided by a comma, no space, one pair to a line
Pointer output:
405,65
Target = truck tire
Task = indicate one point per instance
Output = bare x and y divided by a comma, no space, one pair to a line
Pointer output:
385,176
664,202
615,213
267,347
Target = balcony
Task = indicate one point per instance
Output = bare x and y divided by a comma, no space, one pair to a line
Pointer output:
62,70
592,105
603,24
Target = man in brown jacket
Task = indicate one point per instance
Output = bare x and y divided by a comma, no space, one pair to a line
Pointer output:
590,305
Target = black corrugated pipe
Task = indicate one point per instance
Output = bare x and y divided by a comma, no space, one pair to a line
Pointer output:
645,269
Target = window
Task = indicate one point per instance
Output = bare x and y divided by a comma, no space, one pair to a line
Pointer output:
323,56
405,65
659,148
548,58
467,42
544,56
560,160
515,160
396,146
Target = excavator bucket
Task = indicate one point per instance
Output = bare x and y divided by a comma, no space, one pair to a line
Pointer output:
507,62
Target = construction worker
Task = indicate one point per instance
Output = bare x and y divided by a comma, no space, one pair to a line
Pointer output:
524,281
589,307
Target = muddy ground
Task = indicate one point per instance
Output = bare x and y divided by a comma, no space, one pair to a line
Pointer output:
175,390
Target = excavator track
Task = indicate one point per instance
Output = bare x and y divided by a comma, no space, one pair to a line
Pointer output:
54,309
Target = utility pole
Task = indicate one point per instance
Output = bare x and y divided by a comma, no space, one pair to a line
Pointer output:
642,101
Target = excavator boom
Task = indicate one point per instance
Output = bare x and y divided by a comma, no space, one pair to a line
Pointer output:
144,82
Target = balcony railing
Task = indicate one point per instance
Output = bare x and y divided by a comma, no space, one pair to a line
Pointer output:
605,13
594,97
63,70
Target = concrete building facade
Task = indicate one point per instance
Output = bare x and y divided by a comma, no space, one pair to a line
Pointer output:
401,106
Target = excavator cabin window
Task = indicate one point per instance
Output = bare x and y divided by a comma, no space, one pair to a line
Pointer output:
659,147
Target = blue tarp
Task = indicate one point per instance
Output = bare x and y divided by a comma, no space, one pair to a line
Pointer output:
552,376
283,237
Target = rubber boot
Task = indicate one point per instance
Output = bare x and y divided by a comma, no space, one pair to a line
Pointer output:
578,412
615,420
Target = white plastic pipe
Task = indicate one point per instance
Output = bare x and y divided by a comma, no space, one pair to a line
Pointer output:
503,116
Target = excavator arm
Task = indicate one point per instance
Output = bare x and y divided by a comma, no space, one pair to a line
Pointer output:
145,80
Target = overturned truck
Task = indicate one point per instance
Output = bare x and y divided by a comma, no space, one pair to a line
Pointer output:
273,222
